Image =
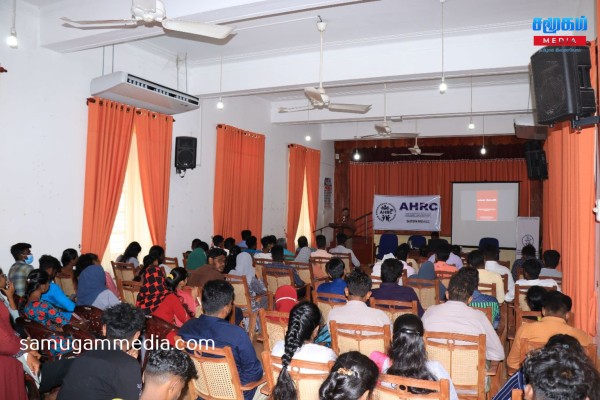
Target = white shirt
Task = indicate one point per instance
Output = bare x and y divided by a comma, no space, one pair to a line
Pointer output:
343,250
551,272
358,313
377,268
105,300
308,352
502,270
457,317
263,256
538,282
452,260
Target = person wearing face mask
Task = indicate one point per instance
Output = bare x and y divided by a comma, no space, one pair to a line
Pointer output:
21,268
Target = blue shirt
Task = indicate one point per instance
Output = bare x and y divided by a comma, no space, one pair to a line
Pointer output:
252,251
59,299
336,286
393,291
224,334
242,245
516,381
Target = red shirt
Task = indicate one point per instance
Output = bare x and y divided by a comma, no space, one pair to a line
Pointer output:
170,308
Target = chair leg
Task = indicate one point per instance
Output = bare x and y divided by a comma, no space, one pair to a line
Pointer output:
251,325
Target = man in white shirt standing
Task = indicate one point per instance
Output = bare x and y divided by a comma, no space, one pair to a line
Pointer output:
457,317
531,273
490,254
342,249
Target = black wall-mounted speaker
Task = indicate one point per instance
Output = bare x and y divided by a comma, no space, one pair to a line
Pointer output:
562,84
535,156
185,152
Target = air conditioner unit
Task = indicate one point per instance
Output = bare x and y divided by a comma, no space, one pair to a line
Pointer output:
129,89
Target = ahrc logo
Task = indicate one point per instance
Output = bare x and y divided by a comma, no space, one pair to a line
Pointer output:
385,212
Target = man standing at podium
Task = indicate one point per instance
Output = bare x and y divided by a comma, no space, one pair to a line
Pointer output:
346,226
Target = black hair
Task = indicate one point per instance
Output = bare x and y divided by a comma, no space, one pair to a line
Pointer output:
551,258
196,243
251,242
204,246
277,253
304,319
149,260
402,252
345,209
435,235
35,279
535,298
229,243
84,261
48,262
216,295
335,267
218,240
391,270
471,277
216,252
566,342
132,250
557,303
490,252
162,364
273,239
528,251
265,241
424,251
17,249
476,259
123,321
352,375
460,288
246,234
341,238
231,261
146,262
532,268
67,256
175,277
442,253
407,352
321,241
158,252
281,242
359,283
455,249
559,374
302,242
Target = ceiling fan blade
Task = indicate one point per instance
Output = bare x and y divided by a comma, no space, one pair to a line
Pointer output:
294,109
371,136
432,154
198,28
401,154
101,22
403,135
314,95
383,128
349,108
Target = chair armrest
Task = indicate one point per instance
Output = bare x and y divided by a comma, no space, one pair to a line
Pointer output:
252,385
495,372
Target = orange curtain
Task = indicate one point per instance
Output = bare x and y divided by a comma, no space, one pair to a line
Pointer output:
154,142
110,127
569,225
239,182
295,188
413,178
313,169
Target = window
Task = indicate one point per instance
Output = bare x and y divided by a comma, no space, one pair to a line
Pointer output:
304,222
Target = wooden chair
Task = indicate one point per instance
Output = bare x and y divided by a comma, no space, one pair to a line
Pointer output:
376,282
463,356
304,270
184,257
307,376
444,277
218,377
391,387
527,346
320,263
129,291
326,301
172,262
123,272
349,267
41,334
517,394
487,288
259,265
276,277
157,330
395,308
363,338
504,263
427,290
273,327
66,283
243,300
93,315
79,334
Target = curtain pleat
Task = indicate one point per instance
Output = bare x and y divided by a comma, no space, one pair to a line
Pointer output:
313,169
297,163
110,127
154,142
239,182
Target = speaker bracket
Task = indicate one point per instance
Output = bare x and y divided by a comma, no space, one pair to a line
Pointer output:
583,122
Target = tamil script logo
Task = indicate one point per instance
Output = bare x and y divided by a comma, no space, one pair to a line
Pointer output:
385,212
526,240
553,25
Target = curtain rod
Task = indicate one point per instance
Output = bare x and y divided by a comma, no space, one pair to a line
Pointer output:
137,110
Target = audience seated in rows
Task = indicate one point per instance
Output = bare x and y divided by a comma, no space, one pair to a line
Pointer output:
527,253
251,244
212,270
175,282
256,286
167,374
342,249
267,243
228,243
113,370
491,264
55,294
68,260
217,302
456,316
479,299
303,252
245,235
477,260
92,291
391,271
130,255
158,252
531,273
444,254
303,326
555,307
407,356
230,261
335,271
551,261
86,260
18,272
197,258
356,311
352,377
427,272
277,262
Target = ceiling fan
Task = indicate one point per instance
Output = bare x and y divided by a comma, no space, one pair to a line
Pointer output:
149,12
384,130
318,97
416,151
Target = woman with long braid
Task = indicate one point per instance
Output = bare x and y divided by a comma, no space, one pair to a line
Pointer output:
303,326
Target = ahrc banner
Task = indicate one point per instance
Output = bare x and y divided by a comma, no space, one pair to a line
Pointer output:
407,213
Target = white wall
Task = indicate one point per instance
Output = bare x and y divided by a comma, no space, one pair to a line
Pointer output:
43,140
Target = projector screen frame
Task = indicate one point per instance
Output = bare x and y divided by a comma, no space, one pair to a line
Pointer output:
452,208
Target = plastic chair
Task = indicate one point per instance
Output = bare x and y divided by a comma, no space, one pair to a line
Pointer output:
388,243
489,241
417,241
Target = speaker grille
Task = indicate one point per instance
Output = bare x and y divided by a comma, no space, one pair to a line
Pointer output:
185,152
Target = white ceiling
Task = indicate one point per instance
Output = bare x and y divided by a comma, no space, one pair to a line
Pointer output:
366,43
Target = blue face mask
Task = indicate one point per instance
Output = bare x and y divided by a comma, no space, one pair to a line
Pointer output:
29,259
